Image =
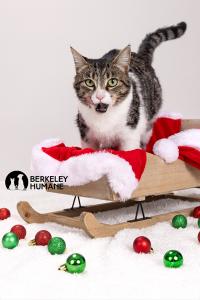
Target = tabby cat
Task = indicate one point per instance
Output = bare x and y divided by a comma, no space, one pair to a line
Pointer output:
119,94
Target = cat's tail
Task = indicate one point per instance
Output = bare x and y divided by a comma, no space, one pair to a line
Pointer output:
153,40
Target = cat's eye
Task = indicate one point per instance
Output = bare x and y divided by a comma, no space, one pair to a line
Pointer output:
112,82
89,83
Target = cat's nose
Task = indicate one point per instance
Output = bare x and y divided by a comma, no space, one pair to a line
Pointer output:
100,94
99,97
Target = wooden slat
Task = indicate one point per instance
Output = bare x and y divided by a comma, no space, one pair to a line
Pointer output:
97,208
96,229
190,123
160,178
99,189
32,216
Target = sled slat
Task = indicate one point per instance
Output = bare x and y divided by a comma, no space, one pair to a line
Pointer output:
99,189
96,229
160,178
190,123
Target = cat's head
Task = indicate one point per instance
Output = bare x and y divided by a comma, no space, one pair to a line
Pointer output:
102,83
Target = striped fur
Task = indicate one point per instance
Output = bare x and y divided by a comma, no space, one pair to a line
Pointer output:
153,40
120,117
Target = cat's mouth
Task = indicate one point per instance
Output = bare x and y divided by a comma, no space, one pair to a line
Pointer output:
101,107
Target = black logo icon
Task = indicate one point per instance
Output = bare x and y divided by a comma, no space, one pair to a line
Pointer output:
16,180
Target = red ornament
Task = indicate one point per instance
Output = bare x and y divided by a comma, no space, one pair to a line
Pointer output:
142,245
4,213
199,237
19,230
42,238
196,212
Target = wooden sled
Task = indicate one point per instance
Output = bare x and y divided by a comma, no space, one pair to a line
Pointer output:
158,181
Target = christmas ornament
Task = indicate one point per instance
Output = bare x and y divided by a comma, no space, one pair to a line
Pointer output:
19,230
75,263
142,245
56,245
196,212
4,213
198,223
198,237
179,221
173,259
10,240
42,238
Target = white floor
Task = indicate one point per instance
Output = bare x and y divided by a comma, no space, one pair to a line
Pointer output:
113,270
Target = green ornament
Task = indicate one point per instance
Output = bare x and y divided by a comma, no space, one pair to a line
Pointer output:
10,240
179,221
75,263
173,259
198,222
56,245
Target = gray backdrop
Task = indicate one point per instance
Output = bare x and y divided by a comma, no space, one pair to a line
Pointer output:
36,66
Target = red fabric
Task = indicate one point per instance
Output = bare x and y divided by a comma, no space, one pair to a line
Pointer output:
61,152
136,158
190,156
163,128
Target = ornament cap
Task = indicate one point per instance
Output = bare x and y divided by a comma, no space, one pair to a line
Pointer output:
62,268
32,242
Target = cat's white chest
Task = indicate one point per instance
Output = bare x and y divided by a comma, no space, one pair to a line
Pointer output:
106,124
106,129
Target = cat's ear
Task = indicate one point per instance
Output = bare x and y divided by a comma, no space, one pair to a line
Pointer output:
122,60
79,60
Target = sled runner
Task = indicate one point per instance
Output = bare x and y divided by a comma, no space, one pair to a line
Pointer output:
158,181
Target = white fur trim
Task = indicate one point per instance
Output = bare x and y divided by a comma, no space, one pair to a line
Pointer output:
167,150
88,167
189,137
41,163
170,115
91,167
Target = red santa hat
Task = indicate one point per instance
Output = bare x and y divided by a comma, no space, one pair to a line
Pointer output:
170,143
122,168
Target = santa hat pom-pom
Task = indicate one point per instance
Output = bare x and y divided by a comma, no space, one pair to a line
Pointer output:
167,150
